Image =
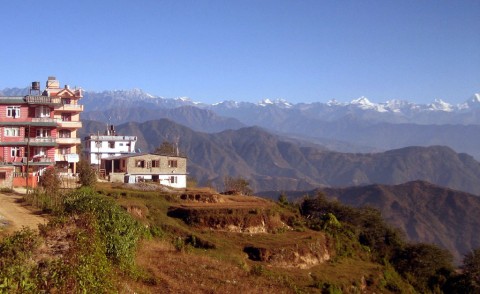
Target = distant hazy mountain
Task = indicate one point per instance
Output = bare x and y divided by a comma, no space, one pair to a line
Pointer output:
192,117
271,162
393,111
425,212
357,126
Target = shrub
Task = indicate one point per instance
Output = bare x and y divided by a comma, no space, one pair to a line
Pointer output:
120,230
84,268
87,175
15,268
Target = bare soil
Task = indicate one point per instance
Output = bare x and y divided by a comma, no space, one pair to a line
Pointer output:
14,214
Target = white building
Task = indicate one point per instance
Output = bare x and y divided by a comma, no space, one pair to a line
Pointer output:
110,144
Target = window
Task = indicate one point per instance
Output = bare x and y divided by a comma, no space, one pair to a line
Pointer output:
66,101
65,134
66,117
172,163
13,111
42,133
120,144
98,144
111,144
15,152
3,176
173,180
64,150
140,163
42,111
155,163
40,151
11,132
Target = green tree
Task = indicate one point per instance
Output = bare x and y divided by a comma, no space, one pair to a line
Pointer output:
51,182
87,175
166,148
237,185
426,266
283,199
471,271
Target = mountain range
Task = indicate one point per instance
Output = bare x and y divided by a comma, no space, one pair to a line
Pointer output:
273,162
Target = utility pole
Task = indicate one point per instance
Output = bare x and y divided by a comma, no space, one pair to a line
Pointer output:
28,156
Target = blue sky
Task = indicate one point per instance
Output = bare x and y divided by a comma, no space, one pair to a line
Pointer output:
301,51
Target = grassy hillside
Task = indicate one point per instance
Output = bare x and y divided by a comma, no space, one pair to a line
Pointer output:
425,212
149,239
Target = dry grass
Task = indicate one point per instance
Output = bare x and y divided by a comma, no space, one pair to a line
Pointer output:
171,271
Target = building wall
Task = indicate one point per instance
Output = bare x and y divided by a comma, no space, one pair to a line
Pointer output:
6,177
133,168
23,113
121,146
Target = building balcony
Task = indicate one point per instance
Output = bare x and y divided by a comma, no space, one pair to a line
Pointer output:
69,124
36,121
34,160
44,121
68,141
33,141
42,100
70,108
73,157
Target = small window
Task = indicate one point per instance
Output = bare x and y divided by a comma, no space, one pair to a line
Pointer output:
140,163
43,133
120,144
40,151
155,163
65,134
11,132
172,163
13,111
3,176
98,144
64,150
111,144
15,152
173,179
66,117
42,111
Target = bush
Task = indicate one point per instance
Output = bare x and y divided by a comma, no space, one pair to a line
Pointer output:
120,230
365,224
87,175
425,266
84,268
15,269
237,185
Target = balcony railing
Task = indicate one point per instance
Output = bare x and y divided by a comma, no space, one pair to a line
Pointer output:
68,140
33,141
44,119
72,157
42,100
70,107
41,140
69,124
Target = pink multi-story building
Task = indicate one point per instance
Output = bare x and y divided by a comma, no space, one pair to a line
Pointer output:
40,129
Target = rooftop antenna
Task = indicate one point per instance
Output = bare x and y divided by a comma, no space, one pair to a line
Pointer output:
108,125
176,139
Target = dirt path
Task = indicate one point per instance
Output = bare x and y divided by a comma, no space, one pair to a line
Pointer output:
14,215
